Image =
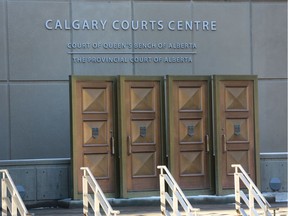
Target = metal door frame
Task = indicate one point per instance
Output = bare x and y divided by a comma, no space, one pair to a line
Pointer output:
217,128
170,134
122,131
73,80
165,135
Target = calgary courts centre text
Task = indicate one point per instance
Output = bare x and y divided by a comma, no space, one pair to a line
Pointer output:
142,25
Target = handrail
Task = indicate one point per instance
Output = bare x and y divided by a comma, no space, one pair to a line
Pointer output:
11,200
177,196
254,193
98,199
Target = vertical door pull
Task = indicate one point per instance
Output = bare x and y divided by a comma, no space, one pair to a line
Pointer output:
224,143
129,145
224,140
207,143
112,146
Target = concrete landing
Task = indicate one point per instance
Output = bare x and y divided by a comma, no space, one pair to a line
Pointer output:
205,209
150,206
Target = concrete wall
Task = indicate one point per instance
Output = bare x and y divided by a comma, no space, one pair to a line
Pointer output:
274,171
251,38
40,180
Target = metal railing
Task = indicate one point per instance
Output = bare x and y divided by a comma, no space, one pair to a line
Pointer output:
11,200
97,199
253,193
176,197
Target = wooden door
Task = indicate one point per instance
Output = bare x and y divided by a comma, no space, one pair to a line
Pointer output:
236,131
189,134
93,131
141,134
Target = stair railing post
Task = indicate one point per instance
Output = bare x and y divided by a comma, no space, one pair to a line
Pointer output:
85,193
4,195
175,201
251,200
96,202
162,192
14,205
237,189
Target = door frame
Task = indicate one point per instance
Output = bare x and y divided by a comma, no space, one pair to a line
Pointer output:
217,128
119,116
73,80
170,130
122,132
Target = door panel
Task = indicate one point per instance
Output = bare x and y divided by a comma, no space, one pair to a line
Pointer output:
93,132
236,129
190,156
141,134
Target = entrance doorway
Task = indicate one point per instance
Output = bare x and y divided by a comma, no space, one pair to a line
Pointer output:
141,134
123,127
236,128
94,132
190,155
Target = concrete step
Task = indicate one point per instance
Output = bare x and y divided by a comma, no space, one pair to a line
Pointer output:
155,201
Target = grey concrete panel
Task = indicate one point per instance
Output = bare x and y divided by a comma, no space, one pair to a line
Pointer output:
163,38
273,115
228,49
269,30
40,120
4,126
52,183
25,177
41,179
36,53
102,41
274,167
3,42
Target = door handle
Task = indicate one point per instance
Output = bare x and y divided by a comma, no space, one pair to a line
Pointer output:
112,146
224,143
129,145
207,143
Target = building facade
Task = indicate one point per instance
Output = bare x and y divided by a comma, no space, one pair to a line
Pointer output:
45,45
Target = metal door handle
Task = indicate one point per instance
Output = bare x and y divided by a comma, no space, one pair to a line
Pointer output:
129,145
224,143
207,143
112,146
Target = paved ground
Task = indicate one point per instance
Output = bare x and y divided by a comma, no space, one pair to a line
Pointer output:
150,206
205,209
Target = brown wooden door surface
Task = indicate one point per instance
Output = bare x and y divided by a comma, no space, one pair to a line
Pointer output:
189,133
236,129
93,133
141,133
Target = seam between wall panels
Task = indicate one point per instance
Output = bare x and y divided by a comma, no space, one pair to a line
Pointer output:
8,83
192,36
251,38
133,37
71,37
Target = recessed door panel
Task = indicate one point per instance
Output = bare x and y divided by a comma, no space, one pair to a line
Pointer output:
93,132
141,134
235,129
189,132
